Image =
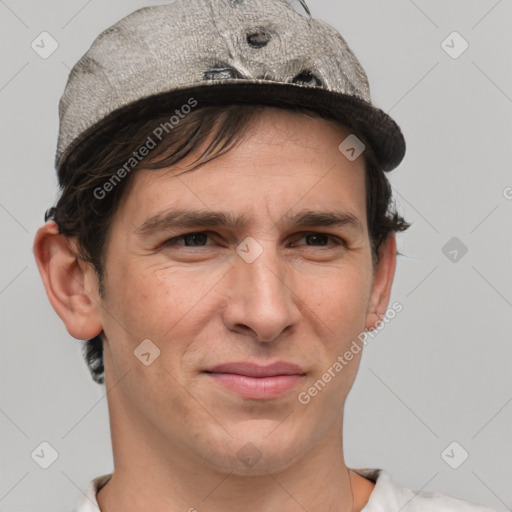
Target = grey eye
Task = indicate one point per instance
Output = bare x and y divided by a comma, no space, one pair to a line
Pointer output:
221,74
306,77
259,38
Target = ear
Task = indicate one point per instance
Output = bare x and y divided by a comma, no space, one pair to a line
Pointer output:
383,276
71,284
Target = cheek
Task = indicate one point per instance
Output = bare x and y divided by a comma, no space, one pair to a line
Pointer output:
339,299
142,294
144,312
338,315
159,302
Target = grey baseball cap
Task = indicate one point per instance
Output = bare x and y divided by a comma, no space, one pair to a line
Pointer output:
220,52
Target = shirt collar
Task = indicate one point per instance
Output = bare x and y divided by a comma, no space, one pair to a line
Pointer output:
89,503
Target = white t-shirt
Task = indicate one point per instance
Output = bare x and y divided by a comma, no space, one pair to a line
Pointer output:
387,496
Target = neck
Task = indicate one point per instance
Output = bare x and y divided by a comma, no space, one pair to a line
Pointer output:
155,473
143,480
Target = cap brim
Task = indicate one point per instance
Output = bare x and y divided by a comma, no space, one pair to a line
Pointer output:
372,125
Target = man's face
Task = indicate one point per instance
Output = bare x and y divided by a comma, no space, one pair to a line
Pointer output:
303,300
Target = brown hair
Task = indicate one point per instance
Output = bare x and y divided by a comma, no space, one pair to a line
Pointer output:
80,214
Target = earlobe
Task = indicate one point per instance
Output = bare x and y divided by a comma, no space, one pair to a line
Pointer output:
65,277
384,274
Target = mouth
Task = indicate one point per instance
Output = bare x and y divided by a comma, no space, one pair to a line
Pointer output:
257,382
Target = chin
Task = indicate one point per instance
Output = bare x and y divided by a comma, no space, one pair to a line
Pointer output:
254,451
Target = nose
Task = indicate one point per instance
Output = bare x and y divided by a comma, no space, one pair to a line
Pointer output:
261,300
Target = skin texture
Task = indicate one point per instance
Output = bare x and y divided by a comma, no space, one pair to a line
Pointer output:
175,432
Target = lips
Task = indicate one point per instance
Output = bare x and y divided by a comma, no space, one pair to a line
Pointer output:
254,370
257,382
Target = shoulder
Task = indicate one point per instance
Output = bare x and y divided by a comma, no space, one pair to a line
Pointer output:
390,495
88,501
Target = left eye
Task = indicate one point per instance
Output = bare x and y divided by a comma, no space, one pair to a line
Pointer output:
322,236
199,239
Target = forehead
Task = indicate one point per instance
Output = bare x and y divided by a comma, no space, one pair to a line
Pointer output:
287,160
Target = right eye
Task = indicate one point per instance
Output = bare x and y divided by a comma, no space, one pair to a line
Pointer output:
193,238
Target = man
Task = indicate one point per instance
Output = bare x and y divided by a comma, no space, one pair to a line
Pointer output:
225,240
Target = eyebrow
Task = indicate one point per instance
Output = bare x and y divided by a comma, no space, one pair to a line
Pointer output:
181,218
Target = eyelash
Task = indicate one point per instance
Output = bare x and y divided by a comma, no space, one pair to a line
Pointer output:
169,243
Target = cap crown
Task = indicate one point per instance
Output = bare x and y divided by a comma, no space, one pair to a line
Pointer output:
190,42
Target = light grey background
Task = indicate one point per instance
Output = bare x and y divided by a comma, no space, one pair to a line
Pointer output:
440,372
